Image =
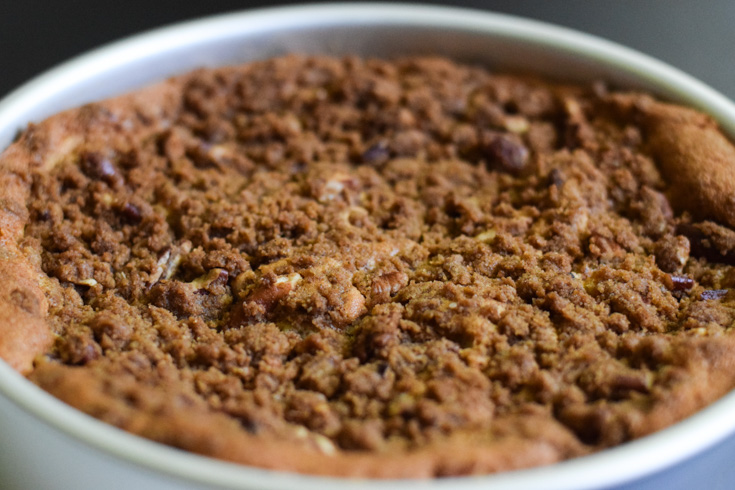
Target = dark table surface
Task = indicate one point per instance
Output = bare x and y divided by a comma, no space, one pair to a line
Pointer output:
697,37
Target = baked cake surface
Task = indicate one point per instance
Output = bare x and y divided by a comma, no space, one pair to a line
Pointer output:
372,268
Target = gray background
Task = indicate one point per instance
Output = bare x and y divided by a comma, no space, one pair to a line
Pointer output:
697,37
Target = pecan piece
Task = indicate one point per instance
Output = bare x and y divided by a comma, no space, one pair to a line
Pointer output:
131,213
99,167
505,153
263,297
168,262
352,307
213,278
270,291
672,253
377,153
681,283
623,384
556,178
710,241
387,285
715,294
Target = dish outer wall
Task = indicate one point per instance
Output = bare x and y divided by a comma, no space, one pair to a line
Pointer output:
46,444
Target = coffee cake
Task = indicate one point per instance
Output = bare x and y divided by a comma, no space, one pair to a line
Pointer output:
370,268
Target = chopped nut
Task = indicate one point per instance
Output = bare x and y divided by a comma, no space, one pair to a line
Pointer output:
107,199
573,110
100,167
580,220
713,294
486,236
291,279
173,263
131,212
353,305
506,153
332,189
710,241
672,253
325,445
516,124
681,283
211,278
268,293
354,215
377,153
169,261
622,384
495,310
389,283
556,178
220,152
335,186
160,265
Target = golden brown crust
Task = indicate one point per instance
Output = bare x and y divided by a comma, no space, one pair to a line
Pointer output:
694,156
24,333
193,430
708,364
698,160
496,281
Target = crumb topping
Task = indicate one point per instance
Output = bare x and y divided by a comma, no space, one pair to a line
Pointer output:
363,257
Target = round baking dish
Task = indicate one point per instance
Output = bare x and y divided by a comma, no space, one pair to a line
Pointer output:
46,444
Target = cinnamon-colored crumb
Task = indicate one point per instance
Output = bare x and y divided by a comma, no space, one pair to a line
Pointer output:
373,268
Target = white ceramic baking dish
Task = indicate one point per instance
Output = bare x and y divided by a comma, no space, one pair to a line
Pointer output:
45,444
